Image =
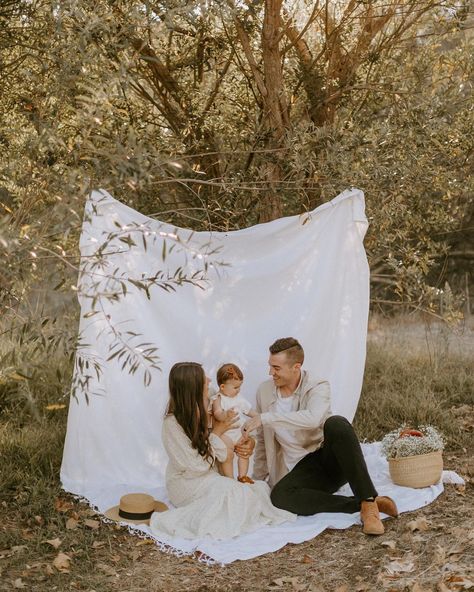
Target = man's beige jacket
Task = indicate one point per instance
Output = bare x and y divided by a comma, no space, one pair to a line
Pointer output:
311,409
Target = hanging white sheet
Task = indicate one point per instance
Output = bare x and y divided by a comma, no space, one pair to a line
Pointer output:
302,276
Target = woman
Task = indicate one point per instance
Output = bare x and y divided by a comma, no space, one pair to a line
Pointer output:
207,504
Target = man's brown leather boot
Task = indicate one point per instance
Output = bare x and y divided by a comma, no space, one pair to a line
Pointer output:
386,505
369,514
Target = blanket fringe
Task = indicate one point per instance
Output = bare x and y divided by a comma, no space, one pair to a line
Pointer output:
136,531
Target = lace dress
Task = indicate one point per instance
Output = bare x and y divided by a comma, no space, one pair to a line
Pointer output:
208,504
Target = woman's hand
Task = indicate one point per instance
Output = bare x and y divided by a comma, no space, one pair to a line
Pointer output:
244,447
230,421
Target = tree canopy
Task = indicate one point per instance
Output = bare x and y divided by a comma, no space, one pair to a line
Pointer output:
221,114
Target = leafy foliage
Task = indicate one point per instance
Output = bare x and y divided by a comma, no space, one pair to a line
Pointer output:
221,115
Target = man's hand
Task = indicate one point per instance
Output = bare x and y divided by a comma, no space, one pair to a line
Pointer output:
244,447
252,424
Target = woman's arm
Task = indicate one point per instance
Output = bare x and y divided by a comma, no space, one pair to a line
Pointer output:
181,452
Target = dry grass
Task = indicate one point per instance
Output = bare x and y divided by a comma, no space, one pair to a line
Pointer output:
404,381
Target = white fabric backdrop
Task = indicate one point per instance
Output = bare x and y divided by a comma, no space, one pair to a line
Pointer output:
302,276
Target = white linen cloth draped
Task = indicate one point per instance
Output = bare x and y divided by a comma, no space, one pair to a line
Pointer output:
303,276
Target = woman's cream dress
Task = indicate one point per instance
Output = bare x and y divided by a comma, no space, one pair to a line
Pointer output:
208,504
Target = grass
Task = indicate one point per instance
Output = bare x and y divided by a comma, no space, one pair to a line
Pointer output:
402,384
400,387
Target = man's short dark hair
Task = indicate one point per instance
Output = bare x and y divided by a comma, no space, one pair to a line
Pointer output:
291,347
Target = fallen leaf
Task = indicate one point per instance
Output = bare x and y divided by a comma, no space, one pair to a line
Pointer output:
55,406
35,565
94,524
145,542
54,542
315,588
39,520
72,523
306,559
439,555
110,571
455,553
419,524
461,533
27,534
18,548
98,544
62,505
400,566
87,512
49,570
62,562
19,583
389,544
460,489
294,581
460,582
417,588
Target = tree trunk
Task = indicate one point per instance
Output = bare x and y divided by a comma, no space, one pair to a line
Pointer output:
276,117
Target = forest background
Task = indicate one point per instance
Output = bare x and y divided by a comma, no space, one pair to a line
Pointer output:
216,116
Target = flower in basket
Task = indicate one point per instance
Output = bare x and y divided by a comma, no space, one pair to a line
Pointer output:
405,441
414,455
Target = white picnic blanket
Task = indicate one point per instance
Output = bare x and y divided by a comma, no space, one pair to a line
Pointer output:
268,539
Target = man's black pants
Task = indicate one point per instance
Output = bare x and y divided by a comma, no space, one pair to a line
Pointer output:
309,488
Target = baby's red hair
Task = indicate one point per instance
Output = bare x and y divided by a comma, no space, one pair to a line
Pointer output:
229,372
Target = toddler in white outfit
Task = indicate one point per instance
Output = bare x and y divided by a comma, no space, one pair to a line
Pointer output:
229,380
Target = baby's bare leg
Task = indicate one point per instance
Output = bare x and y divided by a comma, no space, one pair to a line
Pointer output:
227,467
243,466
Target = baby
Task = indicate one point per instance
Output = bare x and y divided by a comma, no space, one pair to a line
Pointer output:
229,380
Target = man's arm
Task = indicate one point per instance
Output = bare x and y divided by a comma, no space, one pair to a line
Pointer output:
317,411
260,467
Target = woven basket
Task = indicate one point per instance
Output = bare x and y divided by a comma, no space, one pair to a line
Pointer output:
416,471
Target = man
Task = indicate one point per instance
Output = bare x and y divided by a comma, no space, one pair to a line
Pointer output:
307,453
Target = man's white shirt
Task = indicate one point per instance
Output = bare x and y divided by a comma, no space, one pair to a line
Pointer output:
293,452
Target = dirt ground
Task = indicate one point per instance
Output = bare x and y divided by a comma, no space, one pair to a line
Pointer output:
431,549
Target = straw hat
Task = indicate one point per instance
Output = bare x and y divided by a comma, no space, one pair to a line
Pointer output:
136,508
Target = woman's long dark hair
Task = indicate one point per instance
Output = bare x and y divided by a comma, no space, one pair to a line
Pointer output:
186,384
